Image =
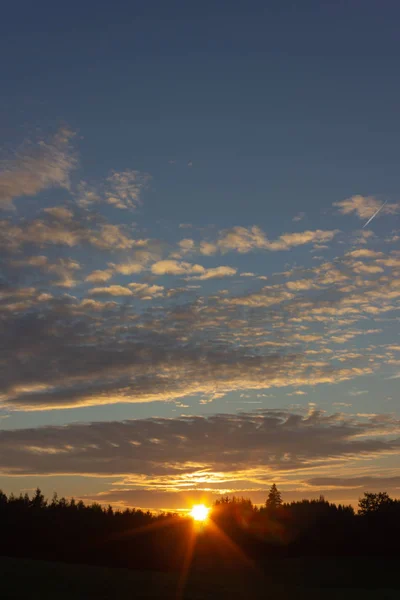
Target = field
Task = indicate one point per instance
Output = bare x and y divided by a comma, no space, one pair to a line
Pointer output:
309,578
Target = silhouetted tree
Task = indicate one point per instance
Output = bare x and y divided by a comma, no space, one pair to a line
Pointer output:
274,500
38,501
73,531
372,503
3,499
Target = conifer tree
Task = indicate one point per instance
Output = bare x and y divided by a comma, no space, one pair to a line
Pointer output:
274,499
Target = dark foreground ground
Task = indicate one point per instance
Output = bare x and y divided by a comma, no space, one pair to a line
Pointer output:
305,578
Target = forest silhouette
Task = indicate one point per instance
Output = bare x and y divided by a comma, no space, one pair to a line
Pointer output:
237,533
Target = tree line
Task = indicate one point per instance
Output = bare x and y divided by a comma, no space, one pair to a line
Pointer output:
72,531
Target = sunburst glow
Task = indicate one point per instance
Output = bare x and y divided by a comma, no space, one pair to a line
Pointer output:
199,512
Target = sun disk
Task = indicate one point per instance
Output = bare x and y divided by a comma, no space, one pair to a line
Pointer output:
199,512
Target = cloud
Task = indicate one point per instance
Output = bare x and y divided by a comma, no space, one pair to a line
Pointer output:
241,239
372,483
186,245
59,212
389,262
364,253
267,296
129,267
360,267
244,240
174,267
161,355
392,239
265,339
14,300
256,490
301,284
111,236
362,236
195,452
290,240
121,189
207,248
146,291
67,232
139,259
30,261
64,269
216,273
99,276
365,206
112,290
108,347
36,167
156,499
38,233
141,290
124,188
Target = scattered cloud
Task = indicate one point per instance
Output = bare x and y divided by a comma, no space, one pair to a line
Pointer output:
175,267
121,189
290,240
364,253
186,245
65,271
301,284
36,167
71,232
216,273
99,276
111,290
267,296
124,188
372,483
146,291
194,453
84,322
244,240
365,206
59,212
30,261
207,248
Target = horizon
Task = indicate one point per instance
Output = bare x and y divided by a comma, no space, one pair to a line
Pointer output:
207,500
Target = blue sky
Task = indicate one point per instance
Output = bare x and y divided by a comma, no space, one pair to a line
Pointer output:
184,190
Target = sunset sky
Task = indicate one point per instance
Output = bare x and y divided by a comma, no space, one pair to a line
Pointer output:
191,299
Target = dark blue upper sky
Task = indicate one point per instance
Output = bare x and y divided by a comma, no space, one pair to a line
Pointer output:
278,103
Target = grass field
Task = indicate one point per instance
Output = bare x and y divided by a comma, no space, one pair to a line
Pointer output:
281,580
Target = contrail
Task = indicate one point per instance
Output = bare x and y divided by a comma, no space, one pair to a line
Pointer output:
374,215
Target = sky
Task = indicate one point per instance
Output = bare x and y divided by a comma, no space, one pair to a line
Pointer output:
193,298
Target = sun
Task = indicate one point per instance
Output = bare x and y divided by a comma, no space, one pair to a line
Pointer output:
199,512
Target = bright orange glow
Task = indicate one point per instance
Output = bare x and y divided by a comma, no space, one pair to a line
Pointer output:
199,512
